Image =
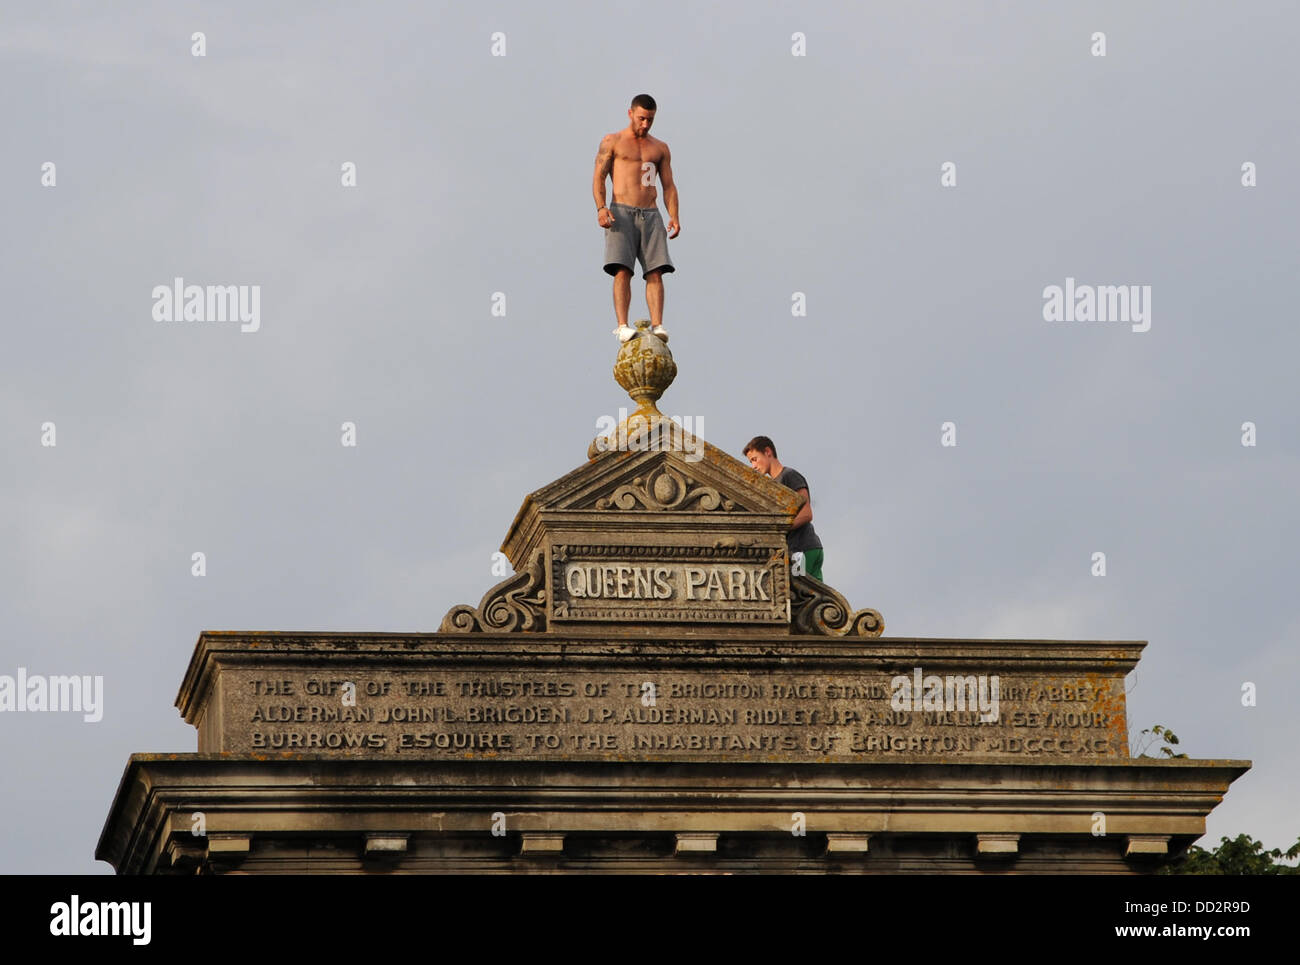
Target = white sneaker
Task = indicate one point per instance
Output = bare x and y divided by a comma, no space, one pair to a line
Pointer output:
661,332
624,332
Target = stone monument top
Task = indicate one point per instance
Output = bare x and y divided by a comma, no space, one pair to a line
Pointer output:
658,528
654,689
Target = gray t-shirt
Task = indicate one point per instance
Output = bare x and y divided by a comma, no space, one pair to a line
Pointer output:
805,537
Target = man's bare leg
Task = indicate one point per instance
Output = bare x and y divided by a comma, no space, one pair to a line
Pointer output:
622,295
654,297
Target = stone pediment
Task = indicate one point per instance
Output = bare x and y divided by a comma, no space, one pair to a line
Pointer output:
683,483
658,529
693,476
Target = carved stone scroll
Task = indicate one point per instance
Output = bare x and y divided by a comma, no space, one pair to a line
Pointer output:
515,604
816,608
666,489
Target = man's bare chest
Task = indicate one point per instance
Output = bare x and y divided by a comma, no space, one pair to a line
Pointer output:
636,153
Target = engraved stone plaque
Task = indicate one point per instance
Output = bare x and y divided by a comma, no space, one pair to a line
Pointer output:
668,714
670,584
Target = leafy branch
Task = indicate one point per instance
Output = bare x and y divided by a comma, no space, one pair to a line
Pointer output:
1164,740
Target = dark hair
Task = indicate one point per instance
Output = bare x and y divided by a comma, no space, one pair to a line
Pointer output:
758,444
645,101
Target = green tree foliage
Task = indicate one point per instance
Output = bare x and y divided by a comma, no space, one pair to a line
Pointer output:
1240,856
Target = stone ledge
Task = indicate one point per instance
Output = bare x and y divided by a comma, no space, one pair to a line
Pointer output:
232,844
853,843
997,844
538,843
695,842
243,798
1147,844
378,844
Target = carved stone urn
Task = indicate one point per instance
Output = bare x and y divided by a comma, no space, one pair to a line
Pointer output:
645,368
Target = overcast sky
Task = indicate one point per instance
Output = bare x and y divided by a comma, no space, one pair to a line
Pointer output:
818,174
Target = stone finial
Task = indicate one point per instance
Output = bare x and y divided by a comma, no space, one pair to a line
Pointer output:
645,368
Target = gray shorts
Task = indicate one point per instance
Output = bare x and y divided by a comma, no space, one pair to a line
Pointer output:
636,233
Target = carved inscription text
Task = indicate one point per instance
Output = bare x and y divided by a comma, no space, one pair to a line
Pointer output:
655,715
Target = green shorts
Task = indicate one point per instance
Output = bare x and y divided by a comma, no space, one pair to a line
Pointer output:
812,561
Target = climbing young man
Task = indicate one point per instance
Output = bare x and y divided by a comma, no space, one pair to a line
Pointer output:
801,540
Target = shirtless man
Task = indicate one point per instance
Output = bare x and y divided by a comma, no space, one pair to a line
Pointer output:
633,227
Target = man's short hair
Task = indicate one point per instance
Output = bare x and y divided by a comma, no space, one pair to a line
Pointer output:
758,444
644,101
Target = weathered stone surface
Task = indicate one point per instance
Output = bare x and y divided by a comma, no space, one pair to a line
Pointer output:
680,536
658,527
654,690
997,843
764,699
518,603
669,584
471,816
644,367
854,843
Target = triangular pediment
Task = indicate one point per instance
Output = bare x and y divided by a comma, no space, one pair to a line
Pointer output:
697,477
639,480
